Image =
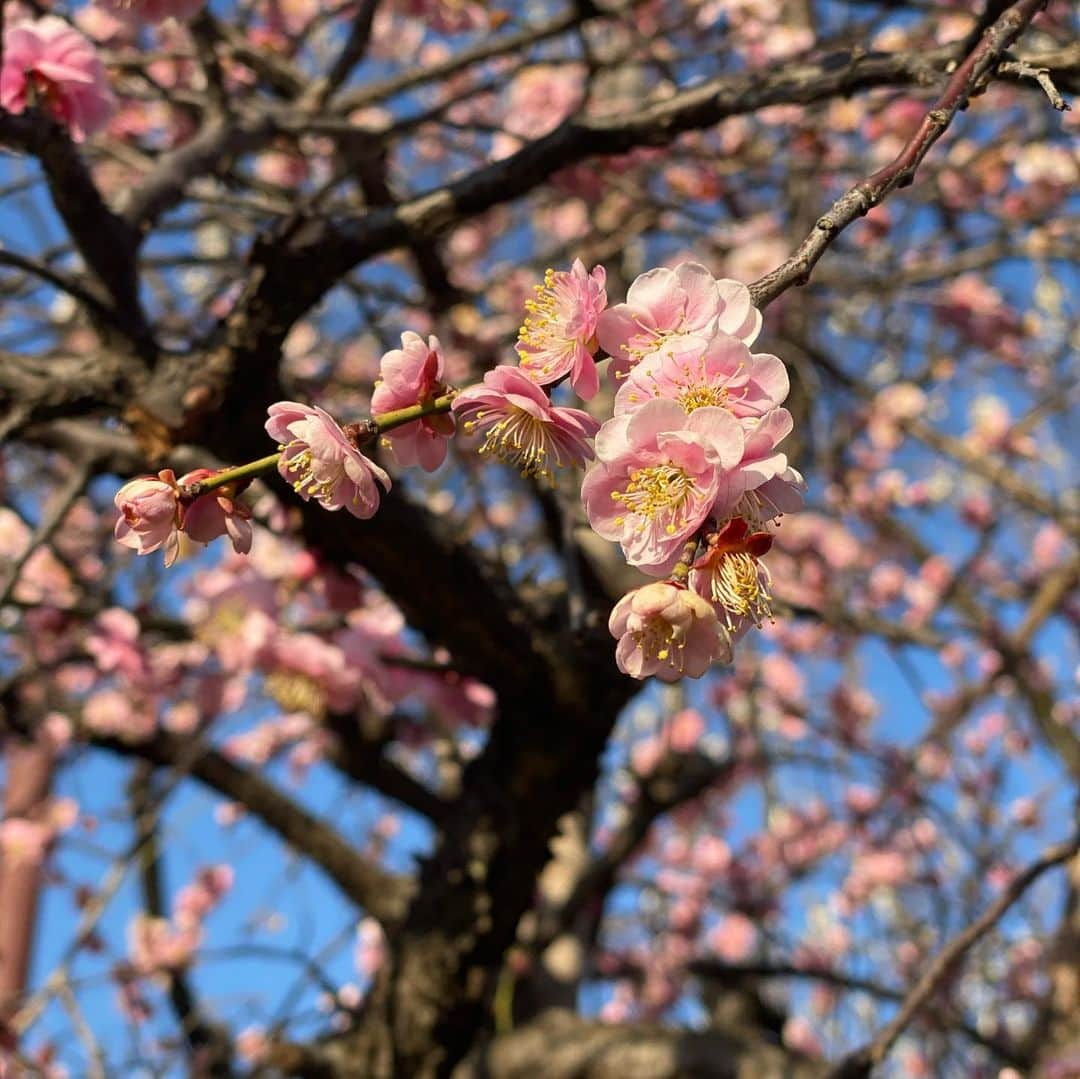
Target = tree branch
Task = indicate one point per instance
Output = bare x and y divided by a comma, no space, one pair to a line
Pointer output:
859,1064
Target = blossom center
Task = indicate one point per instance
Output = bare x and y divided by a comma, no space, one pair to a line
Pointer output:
740,584
518,438
658,491
693,397
658,639
301,469
296,692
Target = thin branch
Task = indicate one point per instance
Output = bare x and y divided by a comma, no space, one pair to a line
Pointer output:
966,81
1023,70
55,512
861,1063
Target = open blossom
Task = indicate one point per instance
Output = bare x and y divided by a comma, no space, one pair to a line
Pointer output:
320,462
50,62
721,371
657,477
666,630
760,463
216,513
521,426
559,336
732,576
413,375
149,514
155,10
665,308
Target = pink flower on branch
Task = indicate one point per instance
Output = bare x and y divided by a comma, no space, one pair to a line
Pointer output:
665,309
559,336
761,463
217,513
149,515
721,371
664,629
413,375
731,575
658,475
321,462
154,511
521,426
51,63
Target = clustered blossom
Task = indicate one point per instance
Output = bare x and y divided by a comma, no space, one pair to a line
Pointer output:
689,461
50,63
520,425
675,309
691,455
152,514
414,375
321,462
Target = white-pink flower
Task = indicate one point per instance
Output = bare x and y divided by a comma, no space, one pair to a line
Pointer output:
413,375
664,630
521,426
559,336
320,461
721,371
155,10
666,307
149,514
657,477
761,461
51,63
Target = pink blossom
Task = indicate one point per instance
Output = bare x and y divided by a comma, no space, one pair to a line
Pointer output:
413,375
370,950
216,513
657,477
761,462
149,515
114,644
114,714
734,938
799,1035
685,730
25,841
711,856
721,371
50,62
155,10
319,461
521,426
559,337
666,630
252,1045
664,308
155,944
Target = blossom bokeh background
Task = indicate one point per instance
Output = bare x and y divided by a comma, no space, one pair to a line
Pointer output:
769,855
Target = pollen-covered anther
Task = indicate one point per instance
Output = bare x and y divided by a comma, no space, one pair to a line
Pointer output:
738,582
656,491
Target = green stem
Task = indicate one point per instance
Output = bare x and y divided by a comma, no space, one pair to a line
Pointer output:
387,421
365,432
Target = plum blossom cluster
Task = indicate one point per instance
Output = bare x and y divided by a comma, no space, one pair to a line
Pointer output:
688,477
690,462
513,410
154,512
